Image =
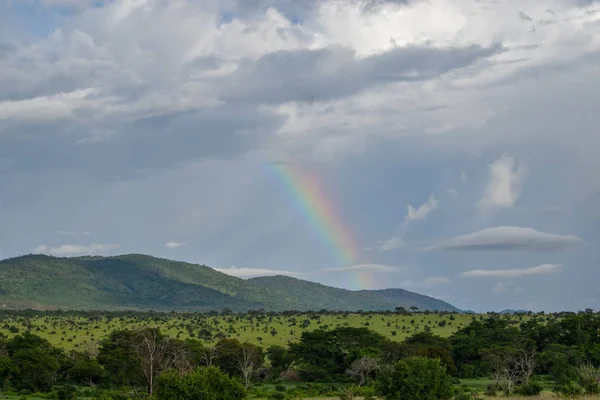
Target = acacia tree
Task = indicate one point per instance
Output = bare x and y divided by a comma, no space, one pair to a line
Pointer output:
362,369
209,355
157,353
511,366
246,359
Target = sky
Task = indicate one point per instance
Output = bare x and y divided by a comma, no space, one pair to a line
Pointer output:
444,147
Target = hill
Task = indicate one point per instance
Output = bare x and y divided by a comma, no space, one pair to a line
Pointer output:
140,282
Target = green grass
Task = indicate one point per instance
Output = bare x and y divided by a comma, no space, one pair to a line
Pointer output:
82,333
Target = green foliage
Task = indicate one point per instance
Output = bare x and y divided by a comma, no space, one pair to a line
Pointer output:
66,392
491,389
83,368
231,352
415,378
35,361
568,389
280,357
531,388
468,343
202,384
330,353
119,359
280,388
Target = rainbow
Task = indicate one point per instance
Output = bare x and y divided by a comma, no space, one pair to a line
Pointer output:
312,201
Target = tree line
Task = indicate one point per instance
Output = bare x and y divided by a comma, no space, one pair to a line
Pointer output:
512,352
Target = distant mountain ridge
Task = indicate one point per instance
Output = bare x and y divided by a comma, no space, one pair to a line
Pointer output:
141,282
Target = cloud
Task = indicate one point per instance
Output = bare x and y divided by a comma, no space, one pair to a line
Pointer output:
366,268
73,233
390,244
513,273
504,187
66,250
45,108
452,192
463,176
506,287
174,245
250,272
553,210
506,238
423,211
428,282
309,75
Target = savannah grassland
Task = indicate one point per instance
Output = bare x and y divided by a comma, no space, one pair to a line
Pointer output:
83,333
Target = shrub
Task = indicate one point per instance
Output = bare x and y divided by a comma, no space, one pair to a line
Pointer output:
347,393
289,376
366,392
415,378
463,396
201,384
529,389
277,396
568,389
66,392
491,389
280,388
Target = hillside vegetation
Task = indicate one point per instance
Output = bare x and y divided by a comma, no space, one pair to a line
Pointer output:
140,282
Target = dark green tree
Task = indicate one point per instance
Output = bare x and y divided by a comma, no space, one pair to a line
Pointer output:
203,384
415,378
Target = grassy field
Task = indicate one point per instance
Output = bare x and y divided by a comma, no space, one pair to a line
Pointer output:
83,333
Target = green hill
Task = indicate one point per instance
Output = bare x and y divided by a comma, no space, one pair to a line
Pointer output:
140,282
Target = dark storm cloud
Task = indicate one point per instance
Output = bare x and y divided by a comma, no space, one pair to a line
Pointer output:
324,74
138,147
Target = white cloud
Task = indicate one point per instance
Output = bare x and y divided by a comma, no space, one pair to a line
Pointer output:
504,187
463,176
66,250
390,244
509,238
174,245
428,282
45,108
423,211
250,272
366,267
513,273
412,214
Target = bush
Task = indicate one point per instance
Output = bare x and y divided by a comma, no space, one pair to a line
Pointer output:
347,393
204,383
277,396
569,389
529,389
591,387
366,392
289,376
491,389
415,378
66,392
463,396
280,388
